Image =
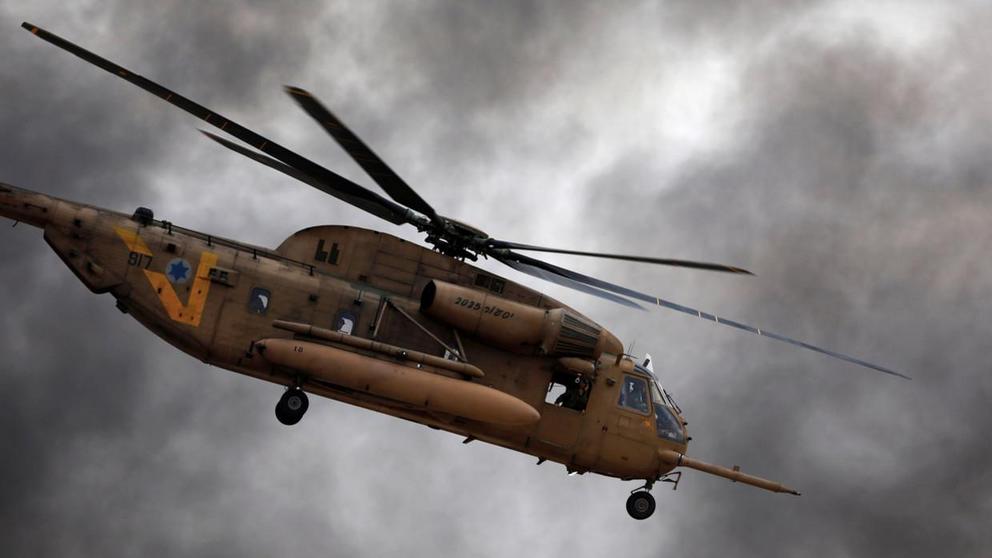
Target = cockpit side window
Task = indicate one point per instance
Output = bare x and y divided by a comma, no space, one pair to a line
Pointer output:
634,394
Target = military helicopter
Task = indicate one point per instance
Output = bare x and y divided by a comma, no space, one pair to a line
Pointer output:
369,319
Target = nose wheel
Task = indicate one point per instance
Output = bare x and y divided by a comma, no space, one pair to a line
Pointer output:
292,406
640,505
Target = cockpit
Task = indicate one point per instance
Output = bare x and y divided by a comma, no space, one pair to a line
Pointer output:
637,390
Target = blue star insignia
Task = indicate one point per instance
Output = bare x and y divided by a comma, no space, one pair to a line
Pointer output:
178,271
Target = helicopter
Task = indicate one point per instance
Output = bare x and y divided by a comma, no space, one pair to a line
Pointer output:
366,318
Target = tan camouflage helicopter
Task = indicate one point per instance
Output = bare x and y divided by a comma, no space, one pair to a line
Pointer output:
369,319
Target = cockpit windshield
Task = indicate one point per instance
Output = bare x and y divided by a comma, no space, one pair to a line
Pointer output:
667,424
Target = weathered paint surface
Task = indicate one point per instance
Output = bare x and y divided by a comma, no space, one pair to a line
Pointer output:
333,275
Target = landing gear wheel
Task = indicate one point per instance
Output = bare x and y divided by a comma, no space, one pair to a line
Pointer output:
292,406
640,505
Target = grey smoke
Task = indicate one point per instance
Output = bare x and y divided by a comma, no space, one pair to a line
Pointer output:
837,150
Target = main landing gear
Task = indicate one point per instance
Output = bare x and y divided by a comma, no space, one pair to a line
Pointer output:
292,406
640,504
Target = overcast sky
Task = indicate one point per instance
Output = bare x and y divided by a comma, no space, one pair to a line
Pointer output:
839,151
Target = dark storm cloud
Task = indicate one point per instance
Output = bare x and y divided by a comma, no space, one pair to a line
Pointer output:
865,233
76,403
855,183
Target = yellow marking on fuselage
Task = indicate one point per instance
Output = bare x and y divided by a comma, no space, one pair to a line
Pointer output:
133,241
191,312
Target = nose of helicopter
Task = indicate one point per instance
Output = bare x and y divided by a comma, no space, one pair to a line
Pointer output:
24,205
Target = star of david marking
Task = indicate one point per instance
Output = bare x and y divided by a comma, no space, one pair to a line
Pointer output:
178,271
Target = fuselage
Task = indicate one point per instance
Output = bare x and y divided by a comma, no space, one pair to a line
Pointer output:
217,299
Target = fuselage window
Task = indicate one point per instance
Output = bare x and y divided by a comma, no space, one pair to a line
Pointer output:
634,394
345,322
259,301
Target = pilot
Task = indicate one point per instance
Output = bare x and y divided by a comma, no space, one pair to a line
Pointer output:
633,395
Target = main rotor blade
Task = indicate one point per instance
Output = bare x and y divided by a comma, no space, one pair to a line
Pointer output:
540,273
384,176
576,277
332,183
375,209
642,259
